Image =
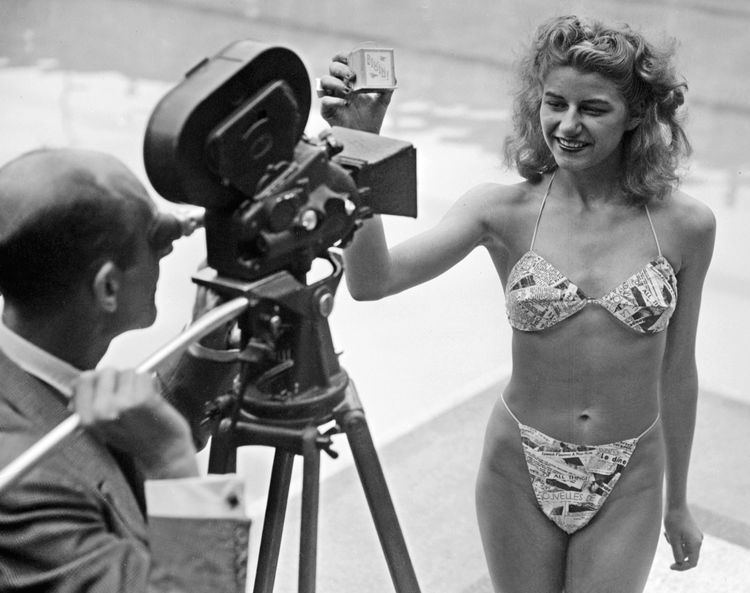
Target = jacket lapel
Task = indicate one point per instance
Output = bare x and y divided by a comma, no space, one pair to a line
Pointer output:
43,408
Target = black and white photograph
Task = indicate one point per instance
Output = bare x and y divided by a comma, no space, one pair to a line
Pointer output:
355,295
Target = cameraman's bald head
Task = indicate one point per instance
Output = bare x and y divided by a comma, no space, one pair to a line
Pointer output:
44,180
63,211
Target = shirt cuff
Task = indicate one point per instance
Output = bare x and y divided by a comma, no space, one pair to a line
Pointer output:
216,496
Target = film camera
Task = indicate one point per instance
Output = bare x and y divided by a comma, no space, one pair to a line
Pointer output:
230,138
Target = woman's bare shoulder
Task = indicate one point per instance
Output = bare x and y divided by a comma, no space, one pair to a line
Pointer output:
504,212
509,198
691,224
688,215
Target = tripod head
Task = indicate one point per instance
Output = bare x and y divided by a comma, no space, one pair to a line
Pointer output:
230,138
289,371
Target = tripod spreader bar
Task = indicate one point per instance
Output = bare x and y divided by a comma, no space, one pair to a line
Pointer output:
288,439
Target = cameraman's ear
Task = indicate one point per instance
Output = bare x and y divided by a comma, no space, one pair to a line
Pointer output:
106,286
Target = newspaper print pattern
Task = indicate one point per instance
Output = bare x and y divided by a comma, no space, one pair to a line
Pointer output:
540,296
571,482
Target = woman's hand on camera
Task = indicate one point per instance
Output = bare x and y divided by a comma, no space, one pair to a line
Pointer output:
340,106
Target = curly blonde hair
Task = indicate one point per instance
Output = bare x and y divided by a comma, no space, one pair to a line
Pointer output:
645,76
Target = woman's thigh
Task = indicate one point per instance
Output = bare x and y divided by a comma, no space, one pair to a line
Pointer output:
614,552
525,551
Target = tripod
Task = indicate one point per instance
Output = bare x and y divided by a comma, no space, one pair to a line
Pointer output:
290,385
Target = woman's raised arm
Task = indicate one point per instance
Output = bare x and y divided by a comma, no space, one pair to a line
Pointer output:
374,271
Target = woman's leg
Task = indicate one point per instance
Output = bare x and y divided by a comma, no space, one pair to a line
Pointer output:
614,552
525,551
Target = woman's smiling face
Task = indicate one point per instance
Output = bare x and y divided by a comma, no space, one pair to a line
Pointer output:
583,117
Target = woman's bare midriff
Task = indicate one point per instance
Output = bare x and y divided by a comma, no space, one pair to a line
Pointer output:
588,380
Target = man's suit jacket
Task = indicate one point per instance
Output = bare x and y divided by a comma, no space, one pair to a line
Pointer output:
73,523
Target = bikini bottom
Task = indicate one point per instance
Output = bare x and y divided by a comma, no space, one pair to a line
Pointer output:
571,482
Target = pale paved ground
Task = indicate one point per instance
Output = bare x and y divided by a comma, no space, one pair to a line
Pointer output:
427,363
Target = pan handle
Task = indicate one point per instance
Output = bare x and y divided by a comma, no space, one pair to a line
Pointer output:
71,425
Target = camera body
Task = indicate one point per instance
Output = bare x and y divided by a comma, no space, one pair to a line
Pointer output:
230,138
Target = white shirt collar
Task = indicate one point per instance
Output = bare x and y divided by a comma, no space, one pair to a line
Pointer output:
37,362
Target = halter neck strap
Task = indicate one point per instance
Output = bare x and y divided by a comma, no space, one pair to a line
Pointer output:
541,208
653,230
544,201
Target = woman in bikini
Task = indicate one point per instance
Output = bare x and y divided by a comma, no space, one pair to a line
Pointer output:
602,261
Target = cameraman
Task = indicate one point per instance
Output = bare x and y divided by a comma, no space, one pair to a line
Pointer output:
80,245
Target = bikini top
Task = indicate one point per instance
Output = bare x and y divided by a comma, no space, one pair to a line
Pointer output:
539,296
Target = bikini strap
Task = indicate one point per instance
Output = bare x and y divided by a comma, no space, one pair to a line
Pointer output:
653,230
656,420
541,207
502,399
636,439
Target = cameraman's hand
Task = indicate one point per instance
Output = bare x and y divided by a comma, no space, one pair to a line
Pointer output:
342,107
127,410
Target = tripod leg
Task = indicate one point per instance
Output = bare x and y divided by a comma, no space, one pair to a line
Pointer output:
379,500
273,522
309,520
